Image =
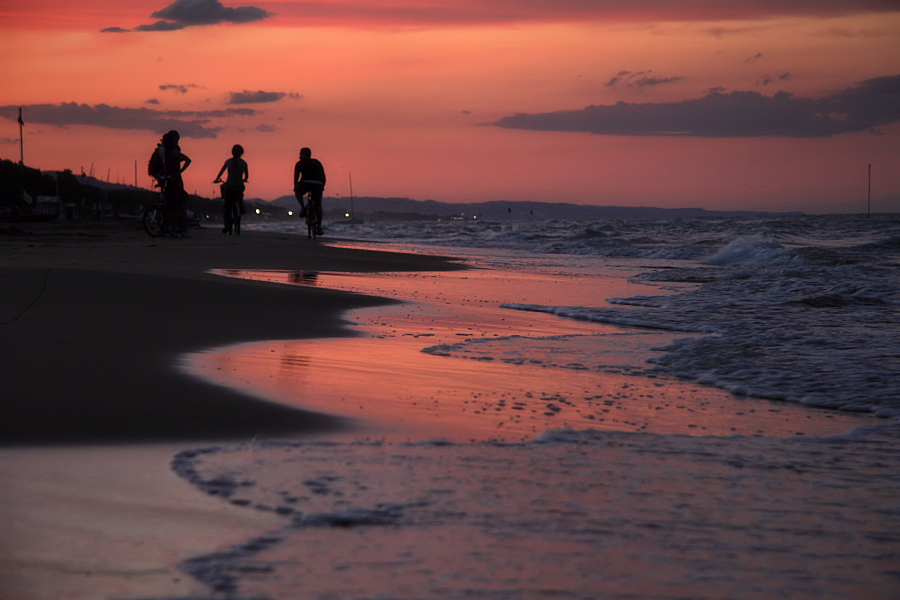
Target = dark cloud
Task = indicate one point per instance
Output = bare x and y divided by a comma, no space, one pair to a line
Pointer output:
266,128
178,88
639,79
192,124
192,13
754,58
645,81
151,101
259,97
872,104
767,79
208,12
619,77
160,26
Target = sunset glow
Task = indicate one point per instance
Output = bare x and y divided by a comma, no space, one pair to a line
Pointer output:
473,101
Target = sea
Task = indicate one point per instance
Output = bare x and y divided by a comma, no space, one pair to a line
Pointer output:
800,310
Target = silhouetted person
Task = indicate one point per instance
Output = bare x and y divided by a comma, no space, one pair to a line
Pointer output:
233,188
174,164
309,176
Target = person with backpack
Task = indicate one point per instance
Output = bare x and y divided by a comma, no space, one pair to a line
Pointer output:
155,164
233,189
309,177
174,164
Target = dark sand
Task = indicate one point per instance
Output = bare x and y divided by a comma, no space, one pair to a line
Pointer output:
93,315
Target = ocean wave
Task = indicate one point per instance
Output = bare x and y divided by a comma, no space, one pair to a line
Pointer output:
773,326
802,308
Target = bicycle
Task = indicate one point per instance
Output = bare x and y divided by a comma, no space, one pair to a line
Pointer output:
312,221
156,216
235,208
236,217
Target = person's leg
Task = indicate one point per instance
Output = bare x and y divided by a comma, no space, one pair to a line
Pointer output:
227,208
182,214
171,217
238,210
171,211
317,194
299,192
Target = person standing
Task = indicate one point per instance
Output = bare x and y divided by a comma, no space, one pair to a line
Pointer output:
174,164
309,177
233,189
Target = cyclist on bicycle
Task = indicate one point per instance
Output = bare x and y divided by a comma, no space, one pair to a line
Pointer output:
233,188
309,177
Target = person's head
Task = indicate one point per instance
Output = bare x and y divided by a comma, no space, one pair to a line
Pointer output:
170,140
305,153
237,150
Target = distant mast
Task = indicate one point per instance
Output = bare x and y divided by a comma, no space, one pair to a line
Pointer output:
352,212
21,139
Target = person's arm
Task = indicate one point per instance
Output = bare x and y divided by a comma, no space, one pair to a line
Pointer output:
296,174
187,162
246,171
222,170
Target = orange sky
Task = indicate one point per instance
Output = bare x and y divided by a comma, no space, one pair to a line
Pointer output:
415,98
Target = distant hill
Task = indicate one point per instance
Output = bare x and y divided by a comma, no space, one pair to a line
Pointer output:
369,207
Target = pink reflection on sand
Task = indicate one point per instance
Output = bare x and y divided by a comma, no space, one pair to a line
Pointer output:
392,390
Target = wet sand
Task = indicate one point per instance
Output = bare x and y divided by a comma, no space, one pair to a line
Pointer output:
490,373
92,317
95,316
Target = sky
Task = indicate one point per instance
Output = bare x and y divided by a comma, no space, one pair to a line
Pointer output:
738,105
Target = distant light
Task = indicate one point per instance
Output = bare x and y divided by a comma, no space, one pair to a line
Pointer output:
257,211
290,213
347,215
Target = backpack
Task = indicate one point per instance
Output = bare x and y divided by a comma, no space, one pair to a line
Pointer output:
156,163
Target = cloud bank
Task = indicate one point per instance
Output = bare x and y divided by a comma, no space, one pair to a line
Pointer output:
872,104
191,124
193,13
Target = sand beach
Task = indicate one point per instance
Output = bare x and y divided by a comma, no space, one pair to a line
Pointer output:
169,431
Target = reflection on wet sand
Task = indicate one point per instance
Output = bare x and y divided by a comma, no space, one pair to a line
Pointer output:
392,390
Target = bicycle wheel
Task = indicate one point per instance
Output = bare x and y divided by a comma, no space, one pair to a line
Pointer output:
155,220
310,223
